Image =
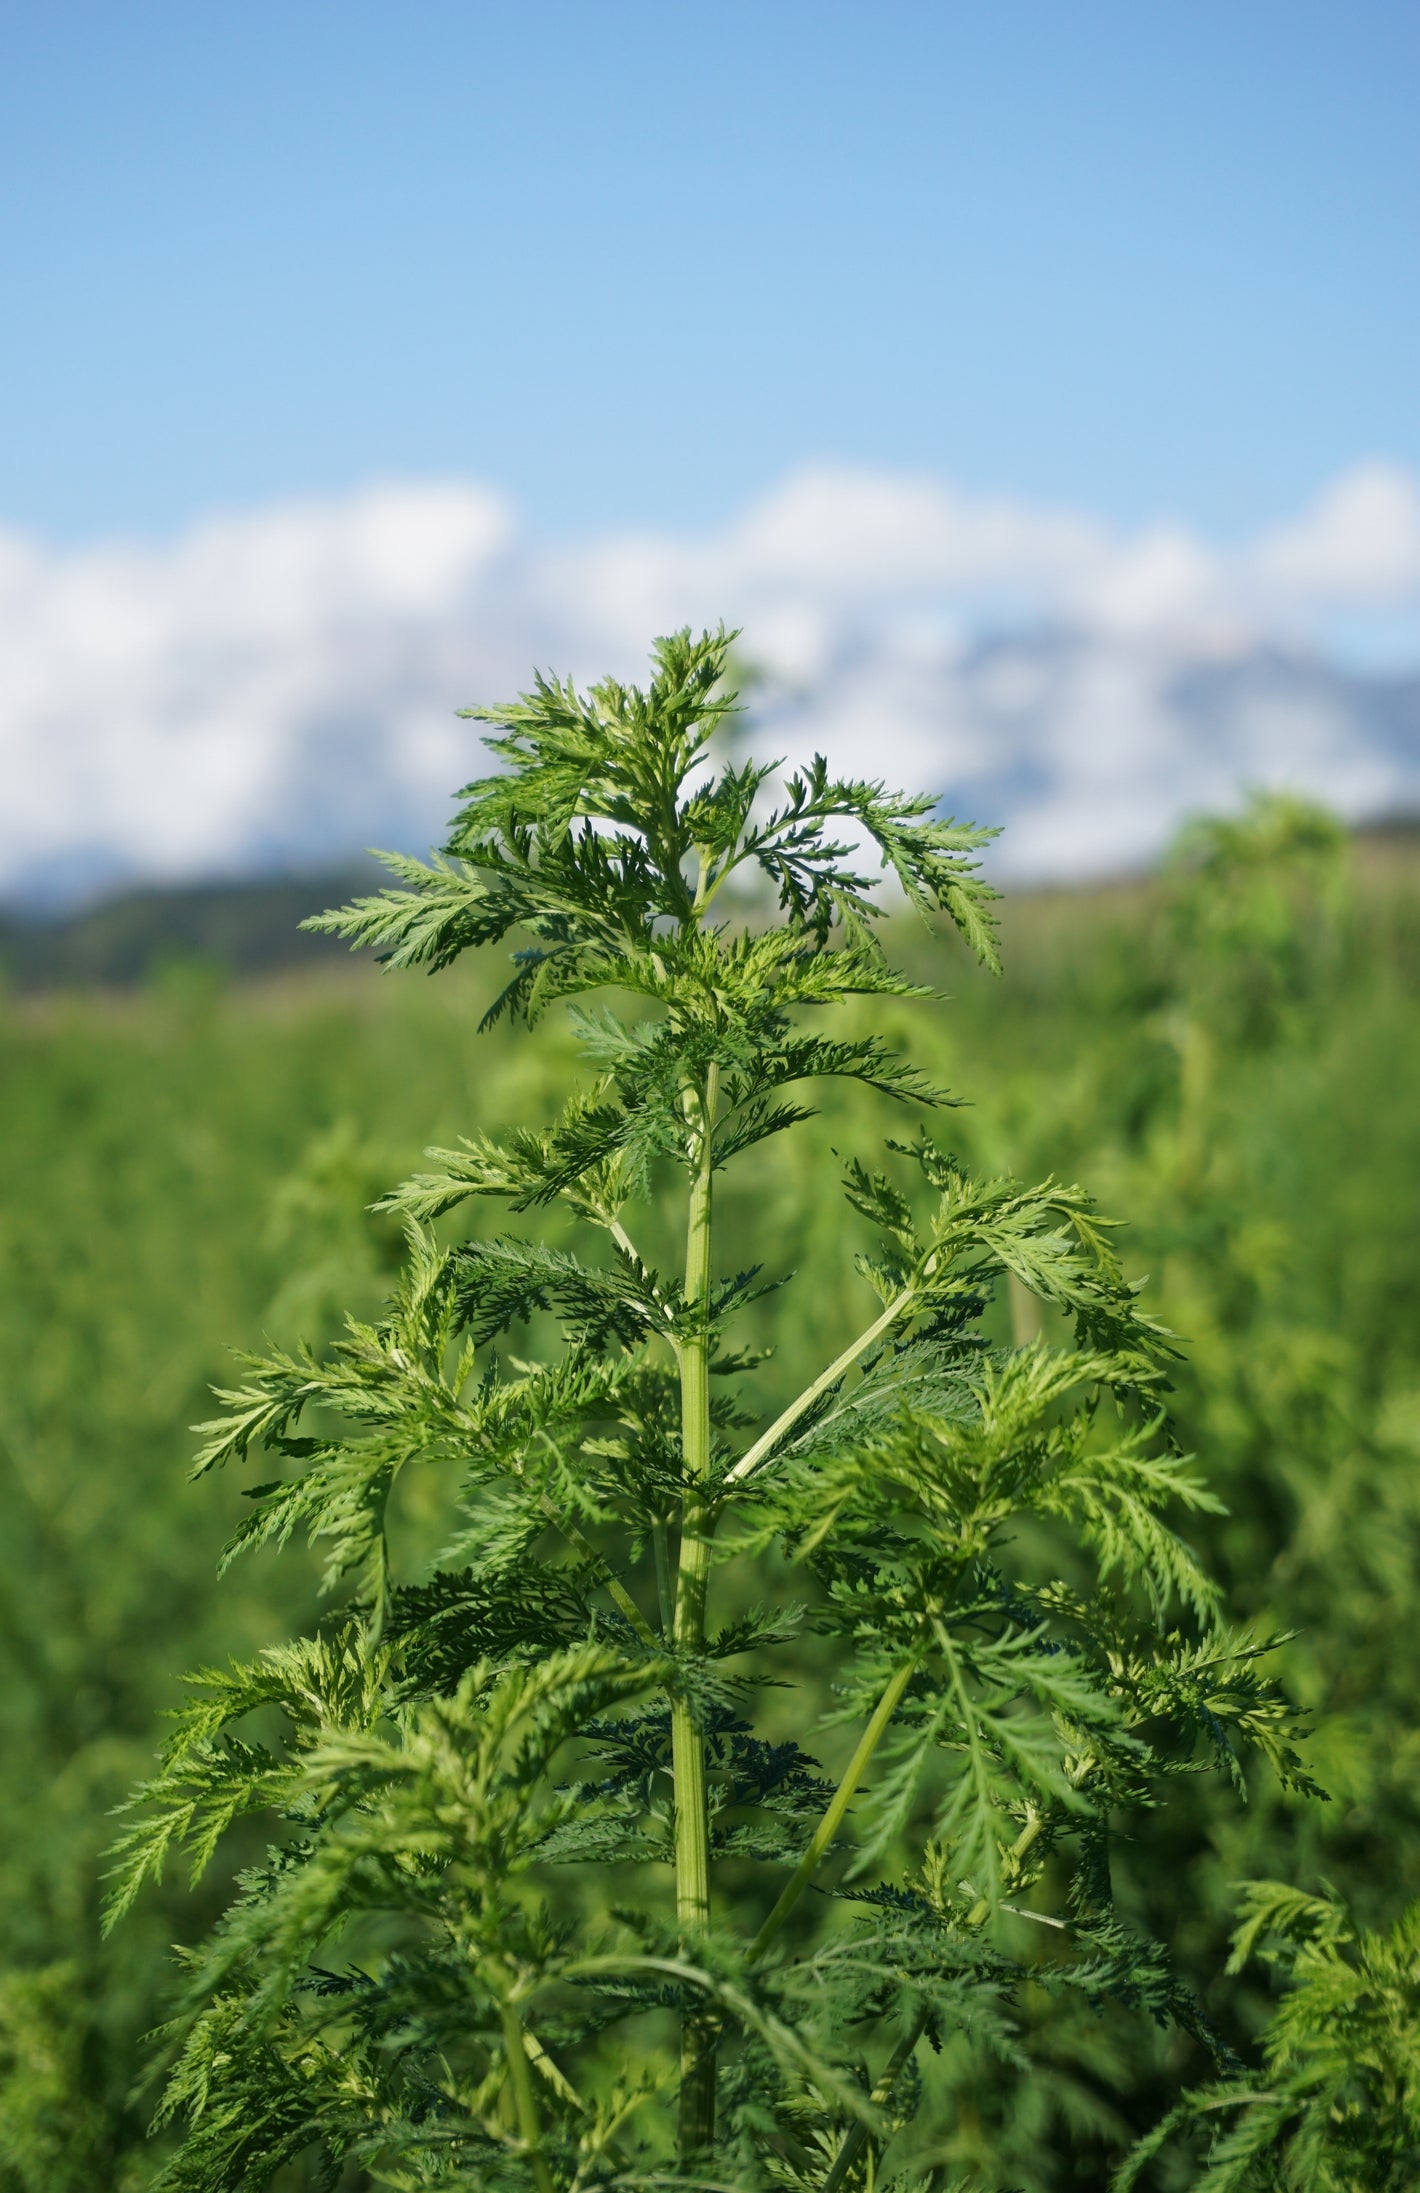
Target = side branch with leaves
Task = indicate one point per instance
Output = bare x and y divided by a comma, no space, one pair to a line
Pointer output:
490,1945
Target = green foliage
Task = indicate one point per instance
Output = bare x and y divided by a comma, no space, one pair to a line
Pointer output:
537,1914
1337,2107
1253,906
52,2131
182,1165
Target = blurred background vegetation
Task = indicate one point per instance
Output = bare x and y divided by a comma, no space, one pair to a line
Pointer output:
195,1120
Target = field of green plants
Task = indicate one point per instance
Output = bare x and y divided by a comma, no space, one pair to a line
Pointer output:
1227,1056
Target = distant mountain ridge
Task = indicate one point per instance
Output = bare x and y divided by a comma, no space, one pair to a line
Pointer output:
1087,749
1091,750
269,689
247,930
238,928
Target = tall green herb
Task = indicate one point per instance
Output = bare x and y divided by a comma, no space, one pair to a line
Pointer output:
492,1945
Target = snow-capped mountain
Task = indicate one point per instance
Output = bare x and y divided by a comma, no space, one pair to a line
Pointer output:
278,689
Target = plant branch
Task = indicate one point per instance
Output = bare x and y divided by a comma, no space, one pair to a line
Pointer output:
838,1805
628,1248
1030,1834
576,1536
555,2076
785,1422
856,2137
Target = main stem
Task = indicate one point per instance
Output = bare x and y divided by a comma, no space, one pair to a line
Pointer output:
692,1817
524,2100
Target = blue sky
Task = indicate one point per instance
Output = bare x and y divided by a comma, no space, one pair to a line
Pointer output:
629,264
1035,380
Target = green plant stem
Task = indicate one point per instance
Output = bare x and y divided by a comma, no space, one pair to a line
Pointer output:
856,2138
838,1805
749,1462
524,2099
692,1813
552,2071
665,1587
628,1247
1030,1834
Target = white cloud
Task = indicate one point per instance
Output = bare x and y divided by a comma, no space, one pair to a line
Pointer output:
279,687
266,687
878,534
1359,542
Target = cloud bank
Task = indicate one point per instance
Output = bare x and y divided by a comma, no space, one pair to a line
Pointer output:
277,689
